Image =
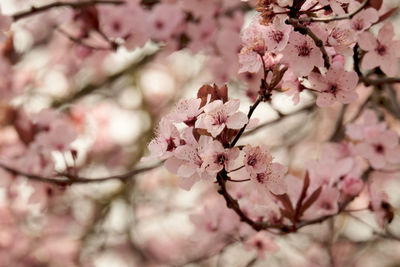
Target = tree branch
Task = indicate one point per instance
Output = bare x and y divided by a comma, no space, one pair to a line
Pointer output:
346,16
75,5
74,179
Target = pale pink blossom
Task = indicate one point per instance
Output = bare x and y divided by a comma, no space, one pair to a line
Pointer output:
165,20
326,204
218,115
254,40
187,162
186,111
167,140
382,51
380,148
256,159
302,54
277,35
272,179
337,84
216,157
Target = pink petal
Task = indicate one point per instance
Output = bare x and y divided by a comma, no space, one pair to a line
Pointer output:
348,81
390,66
325,100
371,60
237,120
346,97
366,41
386,33
186,183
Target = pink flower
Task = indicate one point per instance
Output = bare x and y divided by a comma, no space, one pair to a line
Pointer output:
326,204
217,115
187,162
292,86
254,40
164,20
337,84
328,171
277,35
272,179
382,52
186,111
167,140
351,186
256,158
364,19
302,54
380,148
201,34
374,142
217,157
261,243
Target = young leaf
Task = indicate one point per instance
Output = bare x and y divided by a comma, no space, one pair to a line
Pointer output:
314,196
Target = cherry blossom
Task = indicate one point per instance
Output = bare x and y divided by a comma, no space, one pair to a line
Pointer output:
166,142
302,54
382,51
337,84
218,115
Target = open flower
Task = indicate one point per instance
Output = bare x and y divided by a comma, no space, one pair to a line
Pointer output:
382,52
337,84
217,115
302,54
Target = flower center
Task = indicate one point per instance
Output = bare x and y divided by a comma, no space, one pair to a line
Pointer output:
277,36
379,148
260,178
219,119
358,24
171,145
220,159
304,50
380,49
251,160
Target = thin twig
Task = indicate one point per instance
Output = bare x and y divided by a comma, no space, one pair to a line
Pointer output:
81,42
74,179
346,16
74,5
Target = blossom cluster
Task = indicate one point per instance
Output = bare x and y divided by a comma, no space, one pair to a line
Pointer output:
316,54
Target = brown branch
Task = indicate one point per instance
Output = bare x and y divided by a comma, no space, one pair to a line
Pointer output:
379,81
339,127
92,87
346,16
81,42
234,205
251,110
74,5
318,42
74,179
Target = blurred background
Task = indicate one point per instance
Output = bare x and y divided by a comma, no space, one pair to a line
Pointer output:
107,75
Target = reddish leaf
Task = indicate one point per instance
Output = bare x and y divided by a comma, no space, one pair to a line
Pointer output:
285,200
287,214
375,4
214,92
387,15
314,196
303,194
